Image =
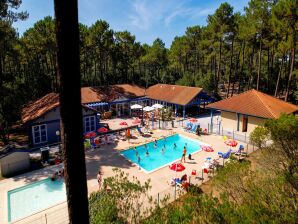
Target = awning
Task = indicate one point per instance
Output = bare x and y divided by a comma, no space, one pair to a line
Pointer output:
97,104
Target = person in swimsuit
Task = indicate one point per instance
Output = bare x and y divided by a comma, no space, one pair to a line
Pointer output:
184,154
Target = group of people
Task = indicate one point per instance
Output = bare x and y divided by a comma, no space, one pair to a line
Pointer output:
163,151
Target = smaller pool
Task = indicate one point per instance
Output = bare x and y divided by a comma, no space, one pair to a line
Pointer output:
157,156
35,197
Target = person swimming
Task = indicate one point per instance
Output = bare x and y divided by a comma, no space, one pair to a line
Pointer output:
145,146
163,150
139,159
155,144
175,146
147,153
137,153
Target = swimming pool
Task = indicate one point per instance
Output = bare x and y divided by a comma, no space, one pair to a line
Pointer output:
157,158
35,197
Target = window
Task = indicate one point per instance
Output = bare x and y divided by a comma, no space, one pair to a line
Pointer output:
89,123
39,133
244,123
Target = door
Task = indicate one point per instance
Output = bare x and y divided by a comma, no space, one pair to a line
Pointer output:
244,123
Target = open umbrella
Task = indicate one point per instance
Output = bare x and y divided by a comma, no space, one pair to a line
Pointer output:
123,123
103,129
231,142
91,134
147,109
136,106
207,148
157,106
177,167
193,120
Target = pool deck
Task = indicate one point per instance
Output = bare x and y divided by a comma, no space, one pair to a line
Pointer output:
108,157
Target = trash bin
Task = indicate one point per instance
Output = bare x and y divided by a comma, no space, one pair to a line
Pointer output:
45,155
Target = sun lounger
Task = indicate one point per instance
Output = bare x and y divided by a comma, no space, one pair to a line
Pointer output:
225,155
240,152
194,128
188,127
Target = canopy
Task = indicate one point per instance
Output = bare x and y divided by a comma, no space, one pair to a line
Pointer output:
231,142
91,134
136,106
177,167
103,129
97,104
148,108
157,106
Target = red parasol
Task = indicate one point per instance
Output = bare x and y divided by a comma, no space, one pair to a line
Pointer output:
91,134
207,148
103,129
123,123
231,142
192,120
177,167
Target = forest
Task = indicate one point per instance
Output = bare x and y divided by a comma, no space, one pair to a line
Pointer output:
234,51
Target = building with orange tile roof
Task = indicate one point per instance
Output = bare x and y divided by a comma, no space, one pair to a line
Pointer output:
250,109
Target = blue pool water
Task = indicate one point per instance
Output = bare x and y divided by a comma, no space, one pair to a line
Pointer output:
156,158
35,197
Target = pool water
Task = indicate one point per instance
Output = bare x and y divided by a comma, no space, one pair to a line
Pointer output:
35,197
157,158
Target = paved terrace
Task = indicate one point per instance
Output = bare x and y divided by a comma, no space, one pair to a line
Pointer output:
106,158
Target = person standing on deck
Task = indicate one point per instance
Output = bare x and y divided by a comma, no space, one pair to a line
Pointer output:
184,154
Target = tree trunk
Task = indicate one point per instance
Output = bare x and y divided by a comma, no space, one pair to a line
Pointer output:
259,65
279,75
218,67
241,70
231,65
68,61
291,73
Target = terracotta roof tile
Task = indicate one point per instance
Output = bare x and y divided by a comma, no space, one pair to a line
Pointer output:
39,107
255,103
176,94
110,93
